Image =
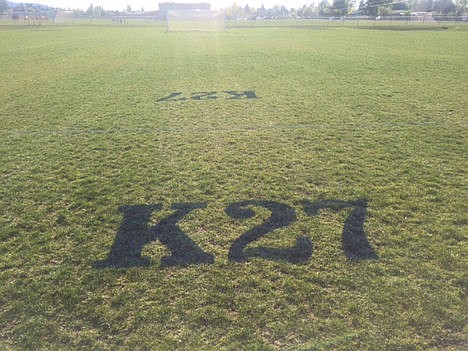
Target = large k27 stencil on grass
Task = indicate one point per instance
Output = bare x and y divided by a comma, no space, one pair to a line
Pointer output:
135,232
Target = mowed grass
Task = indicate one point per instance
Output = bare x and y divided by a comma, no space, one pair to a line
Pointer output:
342,114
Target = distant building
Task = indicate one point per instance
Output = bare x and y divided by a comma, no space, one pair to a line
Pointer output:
169,6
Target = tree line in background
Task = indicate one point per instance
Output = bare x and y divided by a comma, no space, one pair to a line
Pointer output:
322,8
340,8
92,11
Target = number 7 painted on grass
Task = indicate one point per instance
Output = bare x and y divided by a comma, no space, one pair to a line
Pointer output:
354,239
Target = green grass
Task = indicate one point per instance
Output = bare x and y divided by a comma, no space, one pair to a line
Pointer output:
343,114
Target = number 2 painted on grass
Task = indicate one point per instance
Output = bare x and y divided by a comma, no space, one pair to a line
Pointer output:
281,216
135,232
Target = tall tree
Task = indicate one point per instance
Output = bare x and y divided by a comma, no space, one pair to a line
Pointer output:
247,11
3,5
261,11
444,6
340,7
233,11
90,10
323,8
371,7
400,6
462,6
423,5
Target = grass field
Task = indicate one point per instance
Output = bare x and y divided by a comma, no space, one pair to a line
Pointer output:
345,133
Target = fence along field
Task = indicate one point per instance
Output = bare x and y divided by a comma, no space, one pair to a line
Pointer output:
270,188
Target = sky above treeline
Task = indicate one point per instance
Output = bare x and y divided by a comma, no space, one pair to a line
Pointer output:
153,5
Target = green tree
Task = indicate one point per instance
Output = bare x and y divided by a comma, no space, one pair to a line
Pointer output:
423,5
339,7
247,11
371,7
3,5
362,8
462,6
261,11
384,11
323,8
90,10
233,11
284,11
400,6
98,11
444,6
